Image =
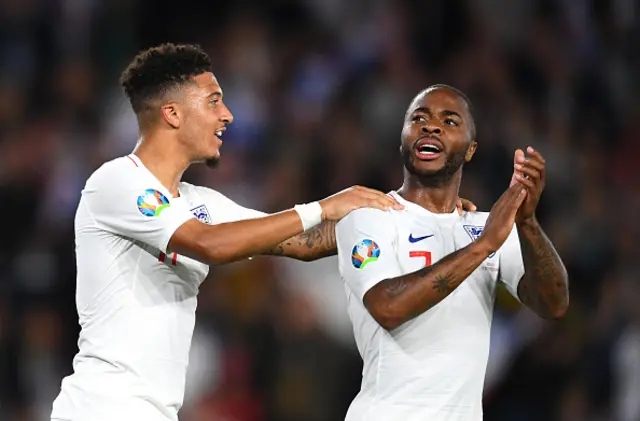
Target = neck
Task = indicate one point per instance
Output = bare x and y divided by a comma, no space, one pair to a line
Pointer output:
165,159
437,196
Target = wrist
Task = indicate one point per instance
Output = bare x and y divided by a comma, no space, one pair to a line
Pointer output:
482,248
323,216
311,214
530,222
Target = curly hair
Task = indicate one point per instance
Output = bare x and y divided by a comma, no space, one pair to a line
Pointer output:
154,72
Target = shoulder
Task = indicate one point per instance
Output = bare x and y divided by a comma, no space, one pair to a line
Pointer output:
475,217
202,190
207,194
369,217
118,171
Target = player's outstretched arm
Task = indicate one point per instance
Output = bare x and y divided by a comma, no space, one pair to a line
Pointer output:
320,241
310,245
397,300
227,242
544,288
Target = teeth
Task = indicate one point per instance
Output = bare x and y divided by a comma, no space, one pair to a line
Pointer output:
219,133
430,149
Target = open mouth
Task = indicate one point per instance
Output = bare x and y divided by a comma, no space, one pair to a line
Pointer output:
220,132
428,149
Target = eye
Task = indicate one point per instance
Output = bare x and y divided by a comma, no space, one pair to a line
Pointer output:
419,118
451,122
214,101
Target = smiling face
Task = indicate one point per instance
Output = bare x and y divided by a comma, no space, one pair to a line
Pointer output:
437,137
203,118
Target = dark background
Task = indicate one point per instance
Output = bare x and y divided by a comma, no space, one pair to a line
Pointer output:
318,89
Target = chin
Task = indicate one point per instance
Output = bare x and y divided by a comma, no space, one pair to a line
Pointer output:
426,168
212,162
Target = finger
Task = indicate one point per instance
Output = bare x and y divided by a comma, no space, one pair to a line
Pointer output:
533,163
518,159
374,199
379,203
391,200
535,160
468,205
526,182
531,172
459,206
521,197
536,154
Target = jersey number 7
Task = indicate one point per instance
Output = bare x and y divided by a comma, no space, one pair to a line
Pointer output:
420,253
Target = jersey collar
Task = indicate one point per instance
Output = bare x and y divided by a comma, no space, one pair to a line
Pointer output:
417,208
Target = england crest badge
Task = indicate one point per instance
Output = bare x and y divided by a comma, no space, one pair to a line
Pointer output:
474,232
202,213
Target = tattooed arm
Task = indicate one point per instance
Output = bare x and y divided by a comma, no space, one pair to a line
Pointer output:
395,301
314,244
544,288
399,299
321,241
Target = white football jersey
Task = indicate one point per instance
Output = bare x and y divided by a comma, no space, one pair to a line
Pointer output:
136,303
431,367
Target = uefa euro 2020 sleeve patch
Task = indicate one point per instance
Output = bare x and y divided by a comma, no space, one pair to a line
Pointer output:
152,202
364,252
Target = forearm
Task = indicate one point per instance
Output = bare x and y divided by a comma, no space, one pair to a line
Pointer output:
544,287
227,242
311,245
395,301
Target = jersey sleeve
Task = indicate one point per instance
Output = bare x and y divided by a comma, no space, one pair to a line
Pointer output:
366,241
511,263
122,202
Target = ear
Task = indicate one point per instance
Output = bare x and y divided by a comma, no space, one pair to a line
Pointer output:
470,151
171,114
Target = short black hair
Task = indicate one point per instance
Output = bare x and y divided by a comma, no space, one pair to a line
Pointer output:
464,97
157,70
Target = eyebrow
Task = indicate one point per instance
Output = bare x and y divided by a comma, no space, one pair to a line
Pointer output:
218,93
445,112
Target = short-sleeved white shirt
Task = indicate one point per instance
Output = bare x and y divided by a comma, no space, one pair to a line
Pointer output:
431,367
136,303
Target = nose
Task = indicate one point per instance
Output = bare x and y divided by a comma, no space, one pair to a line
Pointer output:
431,128
225,116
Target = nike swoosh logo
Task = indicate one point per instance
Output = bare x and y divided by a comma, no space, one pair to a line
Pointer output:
413,239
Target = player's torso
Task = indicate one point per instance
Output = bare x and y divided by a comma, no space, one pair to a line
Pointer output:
422,240
136,307
442,352
154,278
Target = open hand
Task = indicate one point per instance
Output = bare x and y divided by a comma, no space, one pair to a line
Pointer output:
530,172
502,217
340,204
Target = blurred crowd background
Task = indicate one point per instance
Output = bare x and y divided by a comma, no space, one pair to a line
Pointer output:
318,89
